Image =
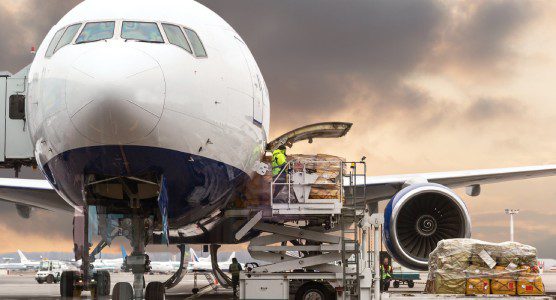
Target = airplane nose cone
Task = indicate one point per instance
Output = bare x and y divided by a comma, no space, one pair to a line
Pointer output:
115,95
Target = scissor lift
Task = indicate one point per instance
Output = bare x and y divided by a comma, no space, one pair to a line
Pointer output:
312,246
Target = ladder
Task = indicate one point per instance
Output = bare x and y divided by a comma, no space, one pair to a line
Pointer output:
352,212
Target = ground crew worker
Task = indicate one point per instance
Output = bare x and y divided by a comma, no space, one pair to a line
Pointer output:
235,267
279,161
385,274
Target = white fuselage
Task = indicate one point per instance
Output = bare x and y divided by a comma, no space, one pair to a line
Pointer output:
114,96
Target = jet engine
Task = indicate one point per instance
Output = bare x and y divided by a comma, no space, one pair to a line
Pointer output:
418,217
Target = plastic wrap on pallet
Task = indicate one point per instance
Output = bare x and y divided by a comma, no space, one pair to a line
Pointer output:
467,266
327,185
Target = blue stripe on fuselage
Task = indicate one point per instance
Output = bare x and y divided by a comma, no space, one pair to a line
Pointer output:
196,185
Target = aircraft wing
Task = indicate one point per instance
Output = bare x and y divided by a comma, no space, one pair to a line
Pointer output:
32,193
384,187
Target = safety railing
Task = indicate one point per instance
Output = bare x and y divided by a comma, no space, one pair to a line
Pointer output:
292,191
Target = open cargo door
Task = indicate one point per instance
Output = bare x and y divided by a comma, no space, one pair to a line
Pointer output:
310,132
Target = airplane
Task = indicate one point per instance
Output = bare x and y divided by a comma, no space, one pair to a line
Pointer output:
29,264
112,265
9,265
203,264
164,267
152,116
23,264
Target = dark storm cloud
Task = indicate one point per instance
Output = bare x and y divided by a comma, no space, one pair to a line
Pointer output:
26,28
318,55
479,41
311,52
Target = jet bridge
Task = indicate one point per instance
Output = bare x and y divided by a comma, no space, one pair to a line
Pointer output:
16,149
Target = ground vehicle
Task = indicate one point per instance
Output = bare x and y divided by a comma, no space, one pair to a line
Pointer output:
402,276
50,271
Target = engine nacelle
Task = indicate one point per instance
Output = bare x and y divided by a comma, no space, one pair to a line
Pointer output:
418,217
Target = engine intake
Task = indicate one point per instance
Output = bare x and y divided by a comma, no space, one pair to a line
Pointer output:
418,217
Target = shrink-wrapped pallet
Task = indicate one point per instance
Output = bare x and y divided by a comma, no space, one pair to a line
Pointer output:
326,186
448,283
328,169
483,268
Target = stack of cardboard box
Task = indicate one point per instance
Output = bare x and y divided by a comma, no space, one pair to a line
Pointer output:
473,267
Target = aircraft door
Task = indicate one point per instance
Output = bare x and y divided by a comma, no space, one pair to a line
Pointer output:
256,81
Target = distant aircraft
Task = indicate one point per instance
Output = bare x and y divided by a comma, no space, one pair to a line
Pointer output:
203,264
112,265
23,263
29,264
9,265
164,267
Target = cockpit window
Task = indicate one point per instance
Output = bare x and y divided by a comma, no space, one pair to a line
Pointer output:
176,37
142,32
96,31
54,42
198,47
68,36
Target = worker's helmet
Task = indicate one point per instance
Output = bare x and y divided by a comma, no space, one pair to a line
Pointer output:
282,147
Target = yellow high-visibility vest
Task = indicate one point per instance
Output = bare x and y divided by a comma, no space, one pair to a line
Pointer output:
278,161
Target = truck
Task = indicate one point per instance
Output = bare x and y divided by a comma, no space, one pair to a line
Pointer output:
50,271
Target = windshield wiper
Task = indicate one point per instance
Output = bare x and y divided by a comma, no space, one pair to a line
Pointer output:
92,41
145,41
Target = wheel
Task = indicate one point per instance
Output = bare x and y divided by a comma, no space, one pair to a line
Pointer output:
102,289
195,291
313,291
396,284
122,291
410,284
50,279
40,281
67,284
155,291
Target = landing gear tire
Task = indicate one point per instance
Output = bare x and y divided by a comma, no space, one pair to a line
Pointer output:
67,284
313,291
102,288
410,284
195,291
122,291
50,279
155,291
396,284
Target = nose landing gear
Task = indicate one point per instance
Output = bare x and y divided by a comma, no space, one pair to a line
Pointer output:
72,283
139,264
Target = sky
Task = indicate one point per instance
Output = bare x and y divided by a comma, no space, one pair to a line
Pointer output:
430,85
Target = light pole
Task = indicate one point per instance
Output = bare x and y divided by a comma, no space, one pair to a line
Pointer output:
512,212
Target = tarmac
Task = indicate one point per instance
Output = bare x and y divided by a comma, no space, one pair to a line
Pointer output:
24,286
